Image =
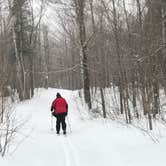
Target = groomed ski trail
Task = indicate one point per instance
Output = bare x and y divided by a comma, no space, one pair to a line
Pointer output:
92,142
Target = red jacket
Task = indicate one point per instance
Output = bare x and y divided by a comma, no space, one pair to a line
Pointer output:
60,105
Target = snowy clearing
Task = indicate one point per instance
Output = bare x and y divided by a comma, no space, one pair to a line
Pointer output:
92,141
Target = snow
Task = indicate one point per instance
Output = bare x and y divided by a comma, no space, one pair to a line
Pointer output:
92,141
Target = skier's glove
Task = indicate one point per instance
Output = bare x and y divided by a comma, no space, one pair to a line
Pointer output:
52,109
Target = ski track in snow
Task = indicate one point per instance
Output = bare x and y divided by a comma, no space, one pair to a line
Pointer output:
72,151
69,157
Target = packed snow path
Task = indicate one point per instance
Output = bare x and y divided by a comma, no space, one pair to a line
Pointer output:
91,143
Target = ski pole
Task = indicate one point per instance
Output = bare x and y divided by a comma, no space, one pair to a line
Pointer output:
69,124
52,123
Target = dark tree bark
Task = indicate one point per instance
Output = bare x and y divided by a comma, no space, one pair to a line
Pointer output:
80,6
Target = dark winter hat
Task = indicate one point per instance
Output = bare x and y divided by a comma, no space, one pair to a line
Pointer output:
58,95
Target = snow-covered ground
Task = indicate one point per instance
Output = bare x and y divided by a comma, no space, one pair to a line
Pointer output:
93,142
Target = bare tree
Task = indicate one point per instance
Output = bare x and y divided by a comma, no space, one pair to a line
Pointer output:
79,8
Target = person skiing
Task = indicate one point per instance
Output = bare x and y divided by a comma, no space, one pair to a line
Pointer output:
59,109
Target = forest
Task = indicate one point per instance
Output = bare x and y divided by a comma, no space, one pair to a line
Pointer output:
95,46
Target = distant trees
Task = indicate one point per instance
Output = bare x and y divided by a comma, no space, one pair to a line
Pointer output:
126,51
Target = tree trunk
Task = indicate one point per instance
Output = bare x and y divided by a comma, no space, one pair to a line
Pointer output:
120,73
163,13
80,5
103,102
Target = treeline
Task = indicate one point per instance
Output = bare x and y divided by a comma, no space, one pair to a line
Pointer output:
120,43
99,44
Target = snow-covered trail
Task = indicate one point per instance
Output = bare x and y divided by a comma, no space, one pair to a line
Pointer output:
92,142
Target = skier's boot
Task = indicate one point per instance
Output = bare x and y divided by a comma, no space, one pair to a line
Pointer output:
64,132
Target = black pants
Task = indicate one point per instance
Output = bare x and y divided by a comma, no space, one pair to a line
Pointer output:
60,119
